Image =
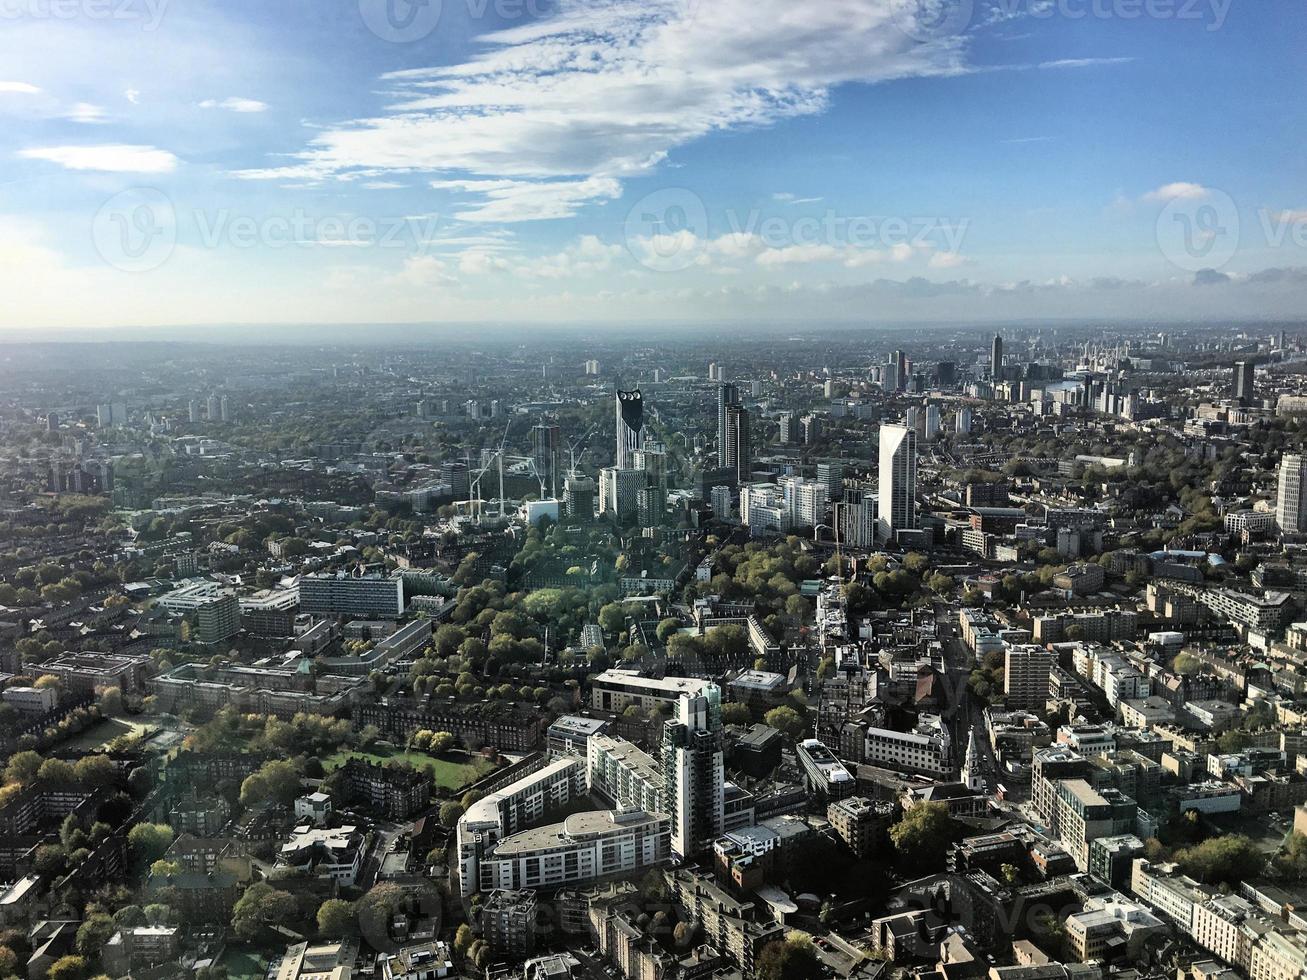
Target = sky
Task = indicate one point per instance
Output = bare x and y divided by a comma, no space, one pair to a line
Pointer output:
720,162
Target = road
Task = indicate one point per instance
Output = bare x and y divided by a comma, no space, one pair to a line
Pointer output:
967,715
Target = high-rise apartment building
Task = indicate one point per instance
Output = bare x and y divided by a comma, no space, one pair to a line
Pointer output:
832,474
897,493
727,395
630,427
618,494
806,501
721,503
738,456
1291,502
1026,675
789,423
694,770
996,359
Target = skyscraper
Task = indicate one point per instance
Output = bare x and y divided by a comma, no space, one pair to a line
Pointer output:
694,770
630,426
738,456
789,425
996,359
897,503
1291,503
727,395
579,498
1244,375
545,456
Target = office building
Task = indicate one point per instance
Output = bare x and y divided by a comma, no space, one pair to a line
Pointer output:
694,770
897,505
824,774
351,595
862,824
218,618
546,457
996,359
1244,375
453,473
832,474
1291,502
629,408
579,498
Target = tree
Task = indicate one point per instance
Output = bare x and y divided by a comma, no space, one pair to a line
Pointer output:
922,836
463,938
791,958
23,767
276,781
67,968
450,813
93,934
261,907
666,627
335,918
149,841
8,962
734,713
94,771
786,720
1228,860
56,774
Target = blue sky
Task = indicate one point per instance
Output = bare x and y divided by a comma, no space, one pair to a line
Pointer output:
189,162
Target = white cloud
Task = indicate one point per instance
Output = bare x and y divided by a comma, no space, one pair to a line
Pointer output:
235,104
1181,190
526,200
566,107
18,88
85,112
108,158
133,96
946,260
1083,62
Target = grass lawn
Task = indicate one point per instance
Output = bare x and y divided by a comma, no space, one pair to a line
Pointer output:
450,775
244,964
101,734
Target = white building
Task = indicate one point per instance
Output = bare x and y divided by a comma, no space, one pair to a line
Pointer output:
1291,501
897,509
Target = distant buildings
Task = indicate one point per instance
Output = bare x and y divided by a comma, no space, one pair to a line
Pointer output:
1291,501
351,595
